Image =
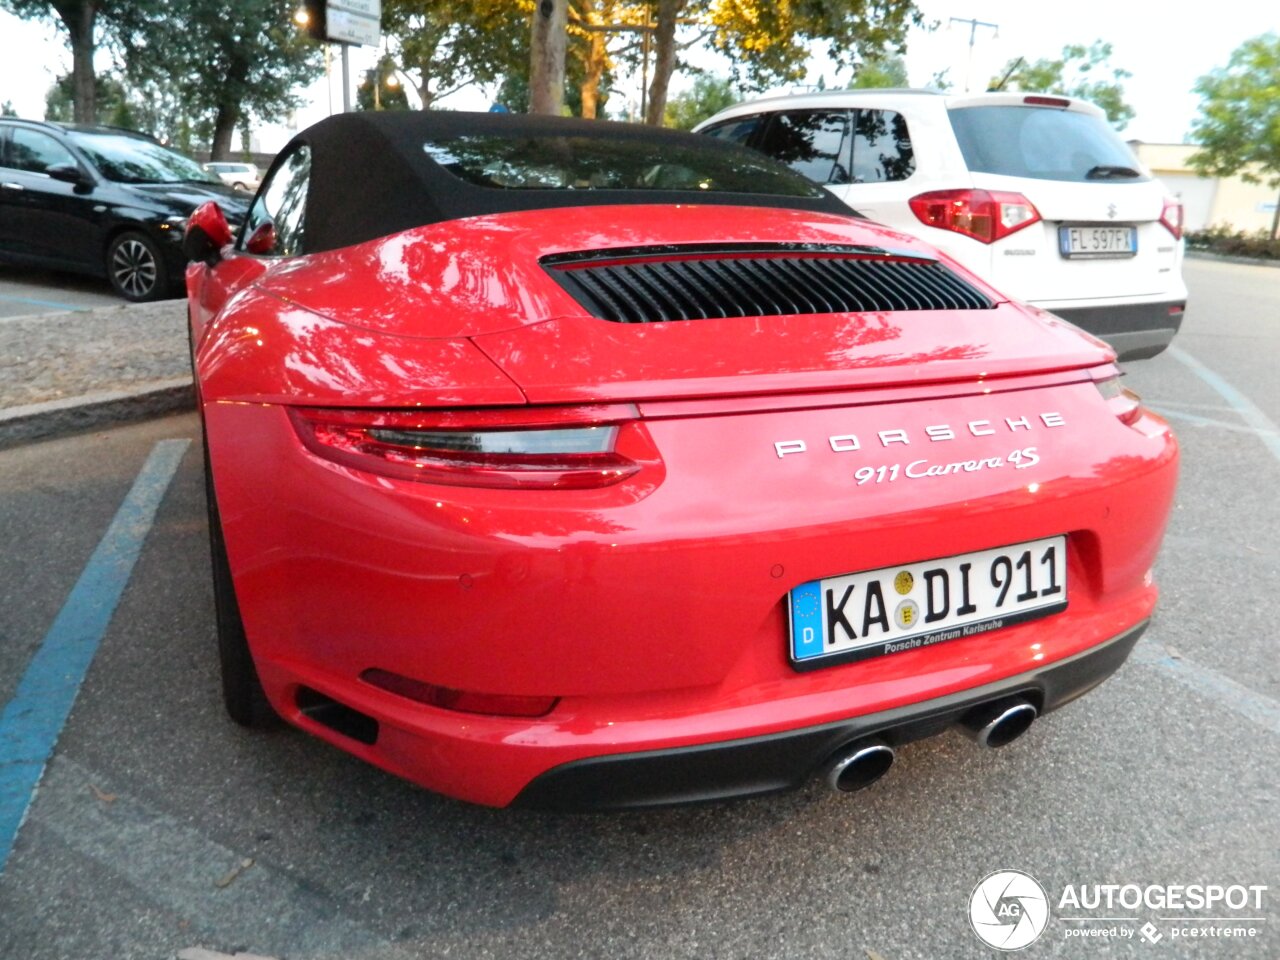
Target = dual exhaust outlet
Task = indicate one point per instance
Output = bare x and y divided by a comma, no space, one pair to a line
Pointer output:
863,762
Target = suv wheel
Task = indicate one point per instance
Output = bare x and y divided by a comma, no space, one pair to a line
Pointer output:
136,269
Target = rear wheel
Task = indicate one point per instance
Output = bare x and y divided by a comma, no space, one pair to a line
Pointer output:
242,692
136,268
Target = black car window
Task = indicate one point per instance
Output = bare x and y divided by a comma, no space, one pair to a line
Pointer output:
126,158
882,147
739,130
35,151
596,163
814,143
282,202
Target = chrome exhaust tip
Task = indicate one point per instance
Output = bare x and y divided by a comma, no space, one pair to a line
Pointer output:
1000,723
859,765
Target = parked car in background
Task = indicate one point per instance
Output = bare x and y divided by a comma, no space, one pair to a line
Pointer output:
239,176
102,201
1035,193
578,464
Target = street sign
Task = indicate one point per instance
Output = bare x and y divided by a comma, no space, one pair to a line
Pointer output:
354,21
365,8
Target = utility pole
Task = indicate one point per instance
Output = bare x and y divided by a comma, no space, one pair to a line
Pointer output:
973,33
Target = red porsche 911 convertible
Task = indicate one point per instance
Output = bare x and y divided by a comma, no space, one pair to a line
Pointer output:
578,465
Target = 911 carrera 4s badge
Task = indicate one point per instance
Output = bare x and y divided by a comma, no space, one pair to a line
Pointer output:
855,616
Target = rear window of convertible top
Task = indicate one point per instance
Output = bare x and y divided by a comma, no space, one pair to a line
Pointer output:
593,163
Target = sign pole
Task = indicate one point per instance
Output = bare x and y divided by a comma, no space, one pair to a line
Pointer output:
346,78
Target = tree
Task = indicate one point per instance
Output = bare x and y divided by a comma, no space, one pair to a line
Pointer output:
548,37
80,19
225,60
445,45
1083,72
114,104
880,72
708,96
769,42
1239,124
390,94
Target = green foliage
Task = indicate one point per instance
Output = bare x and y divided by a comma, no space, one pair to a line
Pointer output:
1235,243
1082,72
769,42
216,64
7,110
1239,124
880,72
450,44
390,97
707,97
116,106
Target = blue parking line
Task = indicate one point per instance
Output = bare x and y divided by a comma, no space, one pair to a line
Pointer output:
43,303
1266,428
33,719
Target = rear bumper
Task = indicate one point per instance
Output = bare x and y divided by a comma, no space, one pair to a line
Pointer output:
784,761
1136,331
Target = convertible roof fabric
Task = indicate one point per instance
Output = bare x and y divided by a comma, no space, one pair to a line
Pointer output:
371,176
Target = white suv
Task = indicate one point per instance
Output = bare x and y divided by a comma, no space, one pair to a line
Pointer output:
1035,193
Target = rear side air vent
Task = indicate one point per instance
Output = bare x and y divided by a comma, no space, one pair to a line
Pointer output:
654,284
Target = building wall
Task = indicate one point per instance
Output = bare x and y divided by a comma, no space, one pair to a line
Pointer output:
1208,201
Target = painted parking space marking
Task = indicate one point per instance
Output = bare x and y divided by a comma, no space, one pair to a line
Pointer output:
1198,421
1266,428
33,719
37,302
1222,690
186,873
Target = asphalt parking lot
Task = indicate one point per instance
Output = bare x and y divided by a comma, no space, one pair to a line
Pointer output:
159,827
24,291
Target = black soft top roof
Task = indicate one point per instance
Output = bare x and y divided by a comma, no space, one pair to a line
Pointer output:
371,176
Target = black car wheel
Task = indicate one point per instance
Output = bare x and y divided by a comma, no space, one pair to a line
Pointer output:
136,269
242,694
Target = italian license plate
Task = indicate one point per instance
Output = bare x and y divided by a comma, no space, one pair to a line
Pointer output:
1097,242
877,612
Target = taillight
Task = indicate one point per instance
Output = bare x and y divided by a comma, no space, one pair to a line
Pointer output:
1123,402
985,215
464,701
1171,217
548,448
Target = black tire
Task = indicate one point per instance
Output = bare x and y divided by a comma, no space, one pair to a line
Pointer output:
136,268
240,186
242,693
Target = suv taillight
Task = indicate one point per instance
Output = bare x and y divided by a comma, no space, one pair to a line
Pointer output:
1171,217
985,215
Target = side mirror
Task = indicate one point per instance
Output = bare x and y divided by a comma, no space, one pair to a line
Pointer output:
67,173
263,240
207,233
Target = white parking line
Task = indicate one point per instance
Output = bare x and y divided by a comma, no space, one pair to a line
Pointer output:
1266,428
1199,421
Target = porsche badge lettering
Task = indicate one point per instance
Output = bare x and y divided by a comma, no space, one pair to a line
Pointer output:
848,442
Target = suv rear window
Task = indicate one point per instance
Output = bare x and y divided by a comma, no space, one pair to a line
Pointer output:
1043,144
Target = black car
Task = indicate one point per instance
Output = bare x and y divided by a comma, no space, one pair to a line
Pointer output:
102,201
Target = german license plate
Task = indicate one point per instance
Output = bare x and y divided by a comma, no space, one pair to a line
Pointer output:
1097,242
877,612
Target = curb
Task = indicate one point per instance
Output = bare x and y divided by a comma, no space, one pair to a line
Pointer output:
1227,258
55,418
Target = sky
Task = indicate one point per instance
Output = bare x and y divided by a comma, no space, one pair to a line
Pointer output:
1165,47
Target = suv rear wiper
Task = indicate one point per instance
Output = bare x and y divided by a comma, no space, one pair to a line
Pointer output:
1105,172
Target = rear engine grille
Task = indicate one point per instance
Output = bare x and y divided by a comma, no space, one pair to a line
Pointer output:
649,285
